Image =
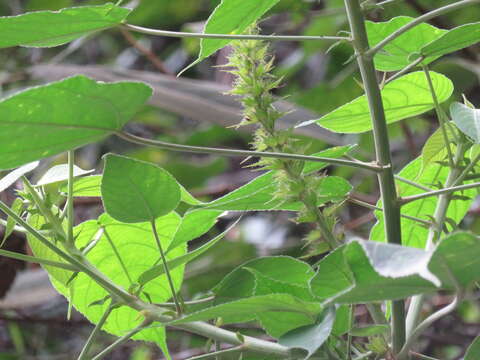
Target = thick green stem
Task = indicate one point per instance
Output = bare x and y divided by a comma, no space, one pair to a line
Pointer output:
391,205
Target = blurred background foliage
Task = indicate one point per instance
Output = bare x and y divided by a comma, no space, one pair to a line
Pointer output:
317,77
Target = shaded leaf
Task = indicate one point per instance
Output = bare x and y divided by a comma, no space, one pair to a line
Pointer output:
46,120
53,28
10,179
473,351
369,330
403,98
467,120
311,337
136,191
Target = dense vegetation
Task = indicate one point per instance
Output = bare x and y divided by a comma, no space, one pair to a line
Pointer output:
347,132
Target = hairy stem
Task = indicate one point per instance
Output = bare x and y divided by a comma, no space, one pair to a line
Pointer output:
388,192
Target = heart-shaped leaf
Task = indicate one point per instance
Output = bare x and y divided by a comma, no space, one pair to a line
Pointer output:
136,191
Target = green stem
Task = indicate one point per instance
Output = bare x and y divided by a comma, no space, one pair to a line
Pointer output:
117,255
70,212
34,259
440,115
178,34
412,183
234,152
167,271
373,207
121,340
90,341
421,356
469,168
419,20
388,192
449,190
405,69
216,354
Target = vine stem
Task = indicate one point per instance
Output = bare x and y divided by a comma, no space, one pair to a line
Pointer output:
234,152
165,267
70,198
179,34
86,348
419,20
447,190
391,205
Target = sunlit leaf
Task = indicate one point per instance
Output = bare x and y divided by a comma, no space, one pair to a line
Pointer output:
403,98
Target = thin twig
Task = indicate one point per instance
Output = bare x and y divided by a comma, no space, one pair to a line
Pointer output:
408,199
179,34
215,354
233,152
34,259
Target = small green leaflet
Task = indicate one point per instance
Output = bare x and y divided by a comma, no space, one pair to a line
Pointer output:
230,17
135,191
403,98
401,51
53,28
467,120
60,116
371,271
454,40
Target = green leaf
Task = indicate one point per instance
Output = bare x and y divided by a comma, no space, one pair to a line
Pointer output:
59,173
369,330
400,52
17,207
248,308
194,224
130,240
467,120
473,351
90,186
311,337
403,98
159,269
372,271
435,147
136,191
46,120
230,17
453,40
414,233
241,283
10,179
49,28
